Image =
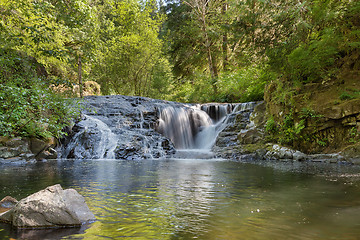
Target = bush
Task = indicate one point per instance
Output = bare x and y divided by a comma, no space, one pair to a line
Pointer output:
311,62
244,85
28,106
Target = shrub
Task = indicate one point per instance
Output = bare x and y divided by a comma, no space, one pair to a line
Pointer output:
28,106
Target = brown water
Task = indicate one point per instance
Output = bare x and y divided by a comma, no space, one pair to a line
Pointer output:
197,199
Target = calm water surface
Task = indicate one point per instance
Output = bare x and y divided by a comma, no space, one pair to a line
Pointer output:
197,199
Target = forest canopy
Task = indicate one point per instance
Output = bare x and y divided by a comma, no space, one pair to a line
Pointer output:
188,50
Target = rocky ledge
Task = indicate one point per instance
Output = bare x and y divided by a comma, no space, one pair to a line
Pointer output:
120,127
244,139
25,150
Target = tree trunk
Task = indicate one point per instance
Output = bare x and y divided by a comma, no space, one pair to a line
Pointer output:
80,77
224,40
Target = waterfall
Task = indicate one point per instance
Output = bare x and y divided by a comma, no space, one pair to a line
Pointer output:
182,124
217,112
101,144
197,127
124,127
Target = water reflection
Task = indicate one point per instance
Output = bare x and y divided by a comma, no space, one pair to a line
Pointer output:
203,199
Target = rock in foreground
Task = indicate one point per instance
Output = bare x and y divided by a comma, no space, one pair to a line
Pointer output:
51,207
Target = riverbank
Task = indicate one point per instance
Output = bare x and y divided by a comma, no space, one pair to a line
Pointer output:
125,127
25,150
247,138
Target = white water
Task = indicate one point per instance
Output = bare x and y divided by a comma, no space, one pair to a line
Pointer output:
181,125
192,128
103,148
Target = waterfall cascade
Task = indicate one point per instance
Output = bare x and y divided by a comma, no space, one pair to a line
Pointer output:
197,127
136,128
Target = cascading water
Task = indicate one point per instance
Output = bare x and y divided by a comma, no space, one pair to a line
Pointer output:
197,127
124,127
182,125
217,112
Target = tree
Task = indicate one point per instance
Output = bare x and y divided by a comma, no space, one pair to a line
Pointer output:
132,49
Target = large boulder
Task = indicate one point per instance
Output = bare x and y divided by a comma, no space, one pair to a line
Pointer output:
51,207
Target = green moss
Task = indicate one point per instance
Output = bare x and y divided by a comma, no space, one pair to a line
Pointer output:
346,96
251,148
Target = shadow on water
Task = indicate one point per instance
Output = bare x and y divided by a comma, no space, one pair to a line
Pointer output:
36,234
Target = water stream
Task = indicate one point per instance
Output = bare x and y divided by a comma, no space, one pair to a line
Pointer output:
197,199
167,184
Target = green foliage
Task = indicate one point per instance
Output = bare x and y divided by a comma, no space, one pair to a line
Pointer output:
244,85
29,108
354,135
322,143
271,126
308,113
289,130
286,130
311,62
198,89
131,58
346,95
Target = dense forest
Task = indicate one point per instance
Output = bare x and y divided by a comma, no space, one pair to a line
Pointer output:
188,51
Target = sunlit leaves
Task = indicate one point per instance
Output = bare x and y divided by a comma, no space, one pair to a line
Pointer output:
132,49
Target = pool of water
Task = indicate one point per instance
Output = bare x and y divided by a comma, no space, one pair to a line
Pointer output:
197,199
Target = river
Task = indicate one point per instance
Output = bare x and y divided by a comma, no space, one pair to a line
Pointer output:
197,198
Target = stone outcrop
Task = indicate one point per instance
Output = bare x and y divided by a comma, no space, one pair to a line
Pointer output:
120,127
245,139
330,112
51,207
25,150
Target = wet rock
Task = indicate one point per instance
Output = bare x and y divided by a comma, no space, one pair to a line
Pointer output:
50,153
329,158
243,137
8,202
13,148
51,207
299,156
18,149
119,127
27,156
352,152
13,160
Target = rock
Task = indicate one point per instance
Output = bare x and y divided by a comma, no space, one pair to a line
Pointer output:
330,158
299,156
14,142
13,160
50,153
27,156
283,153
51,207
352,151
9,152
37,146
118,127
8,202
249,136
